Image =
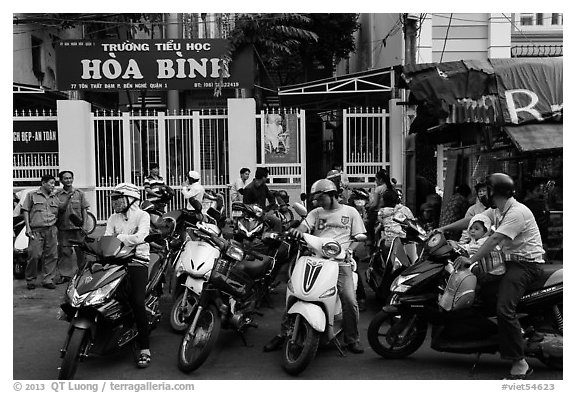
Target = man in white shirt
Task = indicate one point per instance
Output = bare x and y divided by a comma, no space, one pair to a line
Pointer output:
192,189
518,235
238,184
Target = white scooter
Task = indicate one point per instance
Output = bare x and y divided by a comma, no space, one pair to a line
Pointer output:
192,269
312,301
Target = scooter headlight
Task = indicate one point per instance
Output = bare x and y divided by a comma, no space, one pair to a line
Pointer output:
101,294
328,293
235,253
399,283
331,249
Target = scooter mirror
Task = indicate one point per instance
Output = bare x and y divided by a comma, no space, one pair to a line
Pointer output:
76,220
300,209
303,197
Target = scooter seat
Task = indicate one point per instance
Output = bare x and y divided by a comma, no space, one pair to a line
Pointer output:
552,274
255,268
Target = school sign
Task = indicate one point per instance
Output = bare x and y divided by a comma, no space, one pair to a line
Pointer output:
174,64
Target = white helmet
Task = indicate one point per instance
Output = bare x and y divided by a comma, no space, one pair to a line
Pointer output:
194,175
126,189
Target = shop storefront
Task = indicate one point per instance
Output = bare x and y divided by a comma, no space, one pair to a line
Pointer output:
500,115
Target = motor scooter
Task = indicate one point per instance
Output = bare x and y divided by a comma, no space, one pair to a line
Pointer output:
432,293
387,262
96,305
314,307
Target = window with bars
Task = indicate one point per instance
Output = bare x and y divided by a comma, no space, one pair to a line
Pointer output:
556,19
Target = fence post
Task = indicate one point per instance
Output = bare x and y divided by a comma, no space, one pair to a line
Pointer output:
196,143
126,148
162,143
303,150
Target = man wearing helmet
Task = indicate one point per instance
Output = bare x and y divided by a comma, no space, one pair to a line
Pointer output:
131,225
519,238
193,189
343,224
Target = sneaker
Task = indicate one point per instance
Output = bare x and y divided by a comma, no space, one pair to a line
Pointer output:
355,348
274,344
30,285
49,285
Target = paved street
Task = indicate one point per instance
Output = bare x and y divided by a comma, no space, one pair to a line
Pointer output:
38,336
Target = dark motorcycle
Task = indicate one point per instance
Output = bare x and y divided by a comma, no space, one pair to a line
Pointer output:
386,263
228,300
432,293
96,304
156,208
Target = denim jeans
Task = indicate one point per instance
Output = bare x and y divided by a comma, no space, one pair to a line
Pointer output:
43,249
518,277
350,314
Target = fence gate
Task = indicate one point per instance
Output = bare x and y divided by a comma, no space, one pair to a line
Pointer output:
281,147
127,143
366,144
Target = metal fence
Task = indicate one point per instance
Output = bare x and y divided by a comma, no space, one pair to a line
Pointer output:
127,143
366,143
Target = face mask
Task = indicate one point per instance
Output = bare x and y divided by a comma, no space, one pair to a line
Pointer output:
120,205
488,201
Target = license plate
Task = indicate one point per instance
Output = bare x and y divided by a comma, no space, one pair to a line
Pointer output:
236,213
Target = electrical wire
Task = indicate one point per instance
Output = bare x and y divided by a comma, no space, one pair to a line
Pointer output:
446,38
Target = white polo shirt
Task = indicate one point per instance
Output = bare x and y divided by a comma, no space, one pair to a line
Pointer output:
517,223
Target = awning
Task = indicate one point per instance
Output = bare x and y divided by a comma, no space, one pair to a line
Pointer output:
492,92
534,137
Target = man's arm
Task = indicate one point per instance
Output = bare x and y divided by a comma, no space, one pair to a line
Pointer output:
457,225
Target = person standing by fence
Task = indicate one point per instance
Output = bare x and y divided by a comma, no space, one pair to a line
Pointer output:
72,201
40,213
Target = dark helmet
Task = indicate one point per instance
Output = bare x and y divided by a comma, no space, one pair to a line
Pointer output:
500,185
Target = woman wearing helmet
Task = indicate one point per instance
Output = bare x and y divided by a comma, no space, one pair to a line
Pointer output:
519,238
131,225
343,224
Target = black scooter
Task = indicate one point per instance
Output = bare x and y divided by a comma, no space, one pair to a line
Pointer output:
468,326
96,303
386,263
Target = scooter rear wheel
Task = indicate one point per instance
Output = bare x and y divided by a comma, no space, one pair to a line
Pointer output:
196,345
384,339
297,354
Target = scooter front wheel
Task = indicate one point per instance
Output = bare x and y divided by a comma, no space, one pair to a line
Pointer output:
180,313
298,352
76,345
394,336
197,344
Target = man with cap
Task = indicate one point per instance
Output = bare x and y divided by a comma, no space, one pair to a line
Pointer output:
193,189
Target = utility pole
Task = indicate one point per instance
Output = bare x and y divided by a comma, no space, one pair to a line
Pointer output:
410,36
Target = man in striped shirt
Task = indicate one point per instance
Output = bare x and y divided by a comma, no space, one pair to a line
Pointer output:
153,183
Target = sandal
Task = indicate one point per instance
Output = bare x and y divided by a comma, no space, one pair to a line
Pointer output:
143,360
